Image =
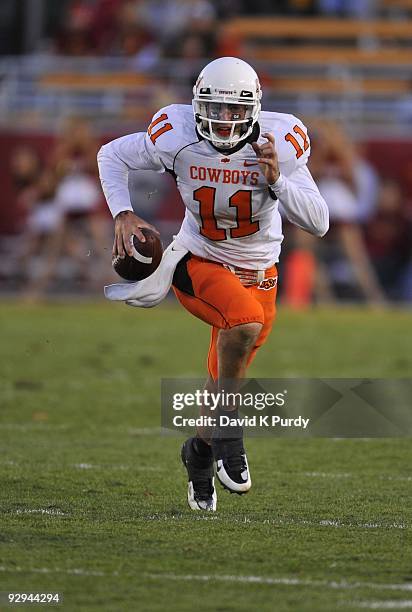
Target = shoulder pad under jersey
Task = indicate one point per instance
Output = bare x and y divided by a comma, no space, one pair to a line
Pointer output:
172,128
291,136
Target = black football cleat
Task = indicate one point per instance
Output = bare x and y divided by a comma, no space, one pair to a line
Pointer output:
201,492
232,468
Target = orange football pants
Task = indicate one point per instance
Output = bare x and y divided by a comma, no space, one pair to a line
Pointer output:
215,295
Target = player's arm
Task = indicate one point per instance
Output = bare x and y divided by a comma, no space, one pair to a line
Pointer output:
297,192
115,160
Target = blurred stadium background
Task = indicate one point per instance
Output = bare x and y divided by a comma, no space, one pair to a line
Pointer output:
77,73
93,501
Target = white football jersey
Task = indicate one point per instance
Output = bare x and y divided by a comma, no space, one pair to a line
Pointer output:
231,215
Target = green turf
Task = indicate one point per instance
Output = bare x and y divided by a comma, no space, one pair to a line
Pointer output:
93,499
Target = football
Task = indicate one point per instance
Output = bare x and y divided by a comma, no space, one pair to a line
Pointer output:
145,259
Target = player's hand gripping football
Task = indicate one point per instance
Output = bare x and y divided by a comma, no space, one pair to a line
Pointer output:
267,158
126,225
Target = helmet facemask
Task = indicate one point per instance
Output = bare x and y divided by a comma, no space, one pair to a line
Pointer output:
223,120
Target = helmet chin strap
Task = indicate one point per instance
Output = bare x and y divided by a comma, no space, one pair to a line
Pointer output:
219,144
225,149
233,139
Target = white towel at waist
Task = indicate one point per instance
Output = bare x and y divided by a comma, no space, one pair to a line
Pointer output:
153,289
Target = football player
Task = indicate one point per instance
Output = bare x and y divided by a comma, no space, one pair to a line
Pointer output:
233,164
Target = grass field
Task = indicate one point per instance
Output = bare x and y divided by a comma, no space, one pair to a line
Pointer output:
93,499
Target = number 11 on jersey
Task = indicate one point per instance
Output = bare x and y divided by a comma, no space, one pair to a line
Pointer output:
241,200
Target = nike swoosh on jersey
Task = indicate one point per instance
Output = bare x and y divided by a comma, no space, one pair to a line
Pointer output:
247,164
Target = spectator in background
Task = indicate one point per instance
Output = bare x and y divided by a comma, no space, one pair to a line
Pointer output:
65,230
192,51
93,27
176,17
108,16
74,150
389,241
79,198
228,9
349,185
133,40
281,7
130,28
140,46
42,236
25,168
358,9
342,266
130,36
74,37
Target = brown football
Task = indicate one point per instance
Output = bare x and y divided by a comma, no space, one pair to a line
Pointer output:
146,258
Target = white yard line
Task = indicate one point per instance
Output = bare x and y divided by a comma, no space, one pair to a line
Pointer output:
353,439
57,570
36,426
347,475
281,581
388,477
396,604
94,466
48,511
118,466
85,466
265,580
145,431
335,523
325,474
33,426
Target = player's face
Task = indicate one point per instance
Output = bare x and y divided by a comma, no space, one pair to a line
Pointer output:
226,112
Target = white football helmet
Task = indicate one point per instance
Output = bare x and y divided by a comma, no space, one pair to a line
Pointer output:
226,101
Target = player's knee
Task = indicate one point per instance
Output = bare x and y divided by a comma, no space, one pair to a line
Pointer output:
248,332
241,337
